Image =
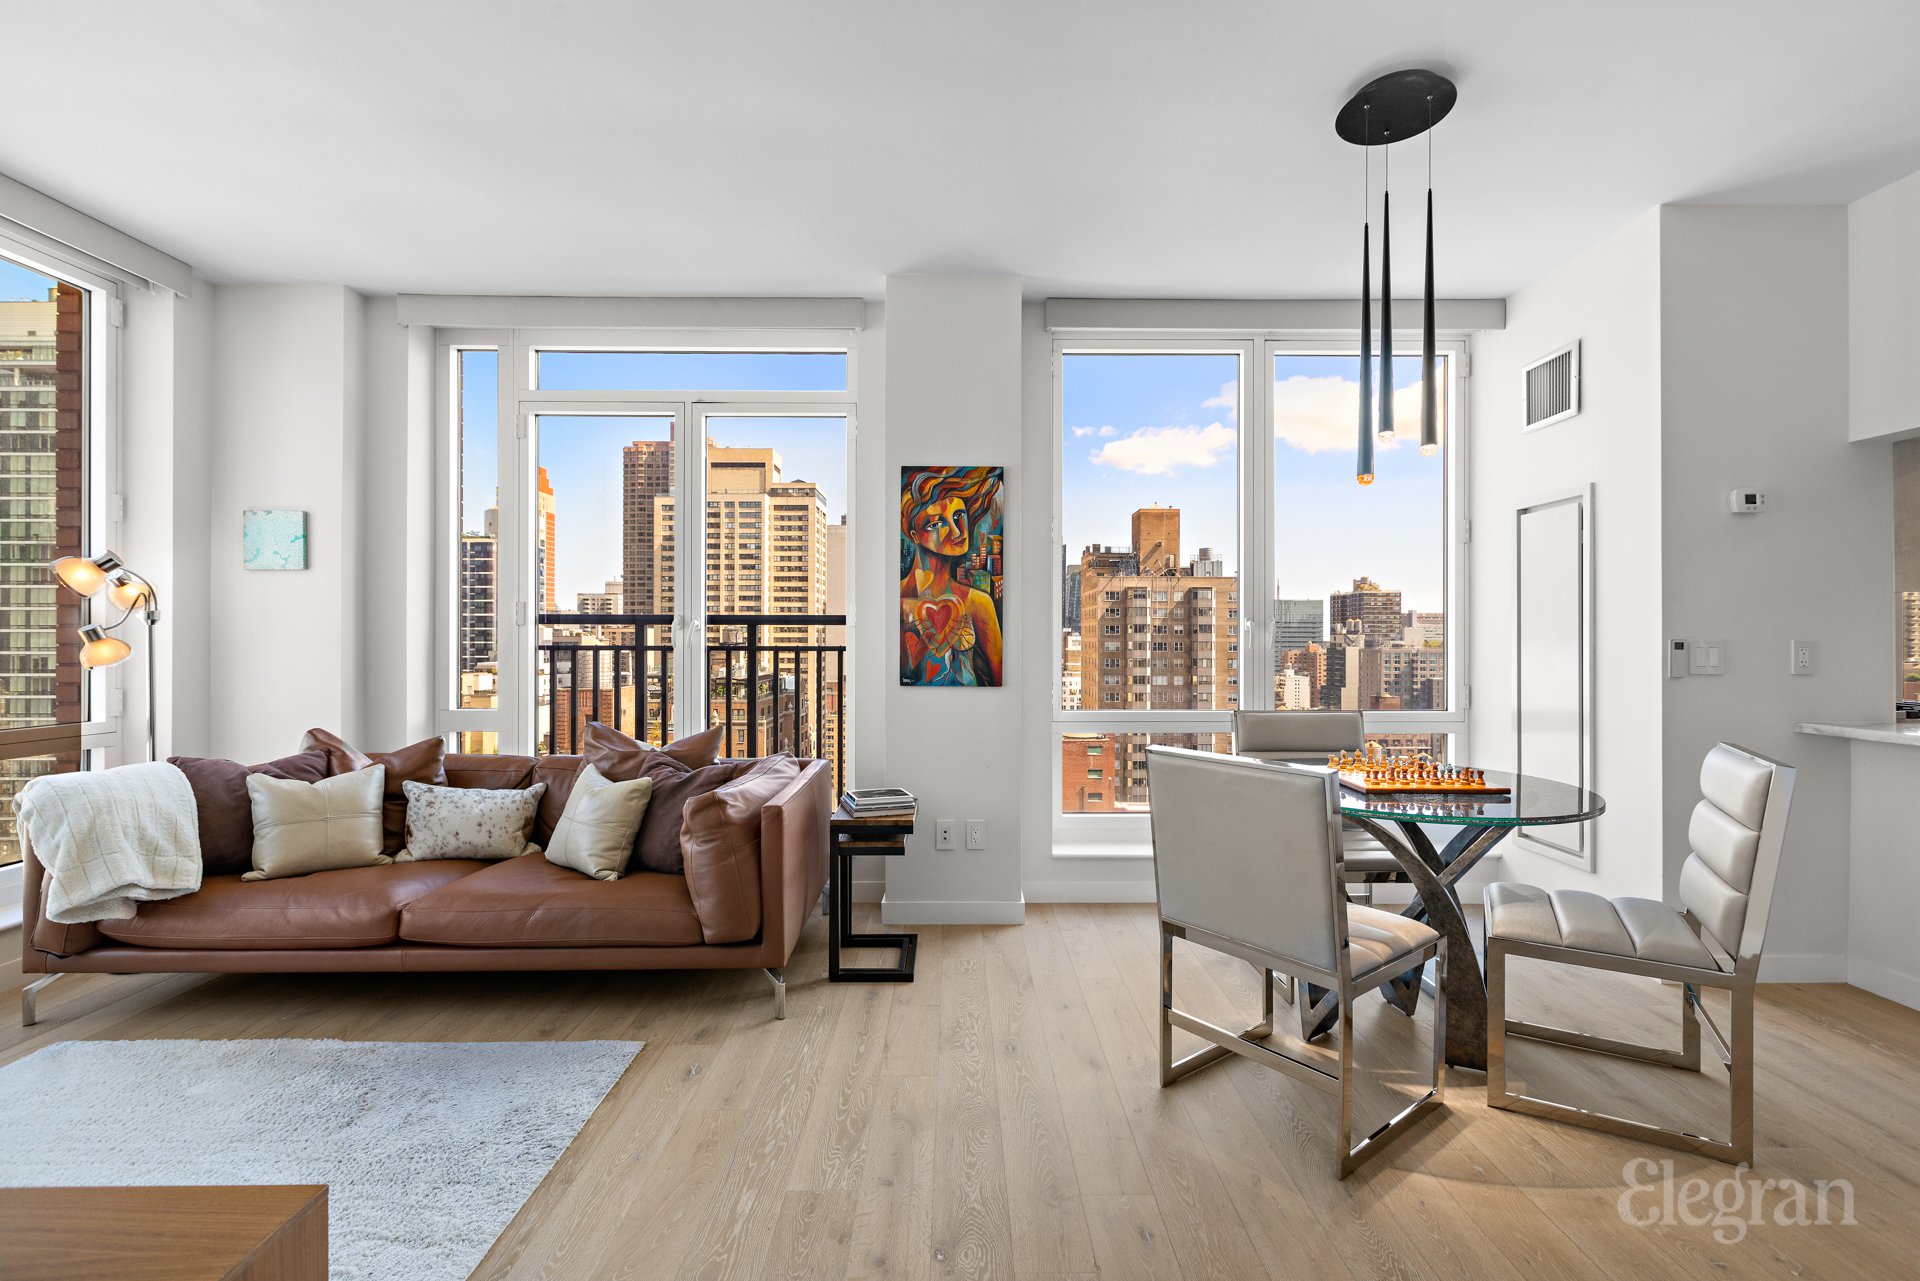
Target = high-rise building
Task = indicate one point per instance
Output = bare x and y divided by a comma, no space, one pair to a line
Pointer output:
548,570
1376,609
647,476
42,470
1297,624
479,592
1154,636
1087,764
1156,539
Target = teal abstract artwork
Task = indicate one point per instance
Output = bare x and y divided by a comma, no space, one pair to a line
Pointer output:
273,539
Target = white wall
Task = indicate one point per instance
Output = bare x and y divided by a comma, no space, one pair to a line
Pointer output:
1753,336
395,650
166,432
287,428
1608,297
952,396
1884,308
1885,879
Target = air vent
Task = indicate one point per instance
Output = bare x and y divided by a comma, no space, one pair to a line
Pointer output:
1553,387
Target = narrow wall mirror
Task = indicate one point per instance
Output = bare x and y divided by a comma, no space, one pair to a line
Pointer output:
1553,659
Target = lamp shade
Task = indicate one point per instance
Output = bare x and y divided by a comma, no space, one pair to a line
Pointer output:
127,592
85,575
100,649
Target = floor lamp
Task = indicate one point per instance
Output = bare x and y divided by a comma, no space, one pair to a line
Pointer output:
87,576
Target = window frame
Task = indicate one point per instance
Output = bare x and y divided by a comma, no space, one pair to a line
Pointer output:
1108,835
513,720
101,741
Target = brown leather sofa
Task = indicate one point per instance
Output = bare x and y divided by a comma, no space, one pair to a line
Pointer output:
461,914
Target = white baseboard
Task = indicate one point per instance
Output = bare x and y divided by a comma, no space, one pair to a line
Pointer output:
944,912
1882,980
1808,967
869,891
1089,891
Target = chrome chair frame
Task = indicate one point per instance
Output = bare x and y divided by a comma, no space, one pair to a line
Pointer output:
1340,980
1735,1045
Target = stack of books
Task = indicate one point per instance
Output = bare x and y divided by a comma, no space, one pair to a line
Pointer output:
877,802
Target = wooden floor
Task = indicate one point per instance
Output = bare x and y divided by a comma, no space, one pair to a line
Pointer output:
1001,1117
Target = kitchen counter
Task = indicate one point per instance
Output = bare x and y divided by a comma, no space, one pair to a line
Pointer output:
1899,733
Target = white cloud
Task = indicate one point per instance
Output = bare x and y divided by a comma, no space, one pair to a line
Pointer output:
1162,451
1320,414
1096,431
1228,399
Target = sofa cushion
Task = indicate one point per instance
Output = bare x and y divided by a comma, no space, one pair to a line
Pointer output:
488,770
610,751
529,902
469,822
422,762
720,841
354,907
559,774
301,828
225,812
657,849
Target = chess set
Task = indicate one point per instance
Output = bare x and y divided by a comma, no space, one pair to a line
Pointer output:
1374,773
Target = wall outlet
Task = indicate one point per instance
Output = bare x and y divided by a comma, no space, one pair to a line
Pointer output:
1800,658
976,833
946,833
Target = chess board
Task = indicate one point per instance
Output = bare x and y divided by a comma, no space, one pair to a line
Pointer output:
1371,783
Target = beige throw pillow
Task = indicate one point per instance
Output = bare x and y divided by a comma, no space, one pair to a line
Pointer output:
316,827
469,822
595,834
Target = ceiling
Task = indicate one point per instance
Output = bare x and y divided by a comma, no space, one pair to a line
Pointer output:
1146,148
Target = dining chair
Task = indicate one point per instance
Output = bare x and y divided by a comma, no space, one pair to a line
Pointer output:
1713,939
1308,738
1247,863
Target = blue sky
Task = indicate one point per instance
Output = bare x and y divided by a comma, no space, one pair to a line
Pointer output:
1141,429
18,284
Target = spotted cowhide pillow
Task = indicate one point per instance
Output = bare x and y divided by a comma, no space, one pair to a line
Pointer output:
469,822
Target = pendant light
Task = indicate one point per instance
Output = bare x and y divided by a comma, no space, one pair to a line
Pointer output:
1386,110
1363,457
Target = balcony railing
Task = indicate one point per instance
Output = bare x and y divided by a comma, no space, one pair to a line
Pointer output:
777,681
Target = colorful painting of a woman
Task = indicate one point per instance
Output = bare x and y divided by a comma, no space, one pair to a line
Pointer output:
951,559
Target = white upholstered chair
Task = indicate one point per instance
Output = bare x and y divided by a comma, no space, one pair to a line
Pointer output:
1308,738
1246,862
1713,940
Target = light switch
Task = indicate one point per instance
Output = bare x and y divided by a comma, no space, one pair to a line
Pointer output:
1708,658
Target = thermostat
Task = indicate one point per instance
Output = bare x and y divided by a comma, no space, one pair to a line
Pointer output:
1746,500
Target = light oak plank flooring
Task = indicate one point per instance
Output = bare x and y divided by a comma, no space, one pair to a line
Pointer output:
1002,1118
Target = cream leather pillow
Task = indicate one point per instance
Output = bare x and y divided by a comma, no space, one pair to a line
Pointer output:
595,834
316,827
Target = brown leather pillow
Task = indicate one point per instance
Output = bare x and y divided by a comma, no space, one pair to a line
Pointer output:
488,771
422,762
657,848
607,749
720,843
559,773
226,815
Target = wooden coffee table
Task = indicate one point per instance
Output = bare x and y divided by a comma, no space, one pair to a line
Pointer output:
164,1234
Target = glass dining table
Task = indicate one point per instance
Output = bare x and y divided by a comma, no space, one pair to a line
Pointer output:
1400,822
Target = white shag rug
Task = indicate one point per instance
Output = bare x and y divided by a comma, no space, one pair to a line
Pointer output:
427,1150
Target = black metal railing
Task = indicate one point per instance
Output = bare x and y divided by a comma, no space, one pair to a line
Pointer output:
775,691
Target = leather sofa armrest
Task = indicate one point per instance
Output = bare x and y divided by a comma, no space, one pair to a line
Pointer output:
40,937
794,850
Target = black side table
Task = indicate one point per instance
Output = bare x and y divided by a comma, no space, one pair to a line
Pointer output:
871,835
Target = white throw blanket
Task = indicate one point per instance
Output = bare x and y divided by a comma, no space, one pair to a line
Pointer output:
112,839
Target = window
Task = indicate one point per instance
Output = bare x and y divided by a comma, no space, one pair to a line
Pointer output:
1183,529
53,363
601,611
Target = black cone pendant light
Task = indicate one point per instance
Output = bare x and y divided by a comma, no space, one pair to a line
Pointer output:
1390,109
